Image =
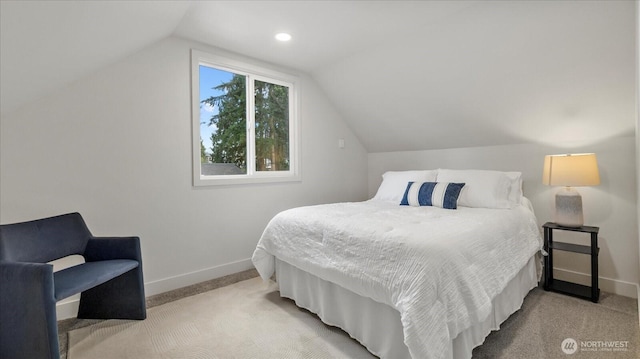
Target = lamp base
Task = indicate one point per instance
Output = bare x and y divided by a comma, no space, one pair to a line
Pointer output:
569,208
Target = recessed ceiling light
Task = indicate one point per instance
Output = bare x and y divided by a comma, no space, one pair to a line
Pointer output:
283,36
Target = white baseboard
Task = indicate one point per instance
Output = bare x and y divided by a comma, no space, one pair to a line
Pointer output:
183,280
638,303
614,286
68,308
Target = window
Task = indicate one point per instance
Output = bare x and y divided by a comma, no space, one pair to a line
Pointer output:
244,123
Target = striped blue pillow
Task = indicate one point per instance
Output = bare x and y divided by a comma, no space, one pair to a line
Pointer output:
437,194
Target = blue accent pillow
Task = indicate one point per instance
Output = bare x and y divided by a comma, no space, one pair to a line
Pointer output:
437,194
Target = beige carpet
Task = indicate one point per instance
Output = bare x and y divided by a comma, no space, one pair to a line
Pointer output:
248,319
244,320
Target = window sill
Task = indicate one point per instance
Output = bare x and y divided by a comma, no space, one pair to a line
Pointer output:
204,181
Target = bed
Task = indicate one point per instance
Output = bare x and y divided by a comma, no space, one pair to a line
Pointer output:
413,280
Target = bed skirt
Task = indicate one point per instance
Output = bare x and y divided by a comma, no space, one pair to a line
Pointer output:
377,326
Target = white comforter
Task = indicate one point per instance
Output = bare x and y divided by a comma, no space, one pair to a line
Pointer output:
439,268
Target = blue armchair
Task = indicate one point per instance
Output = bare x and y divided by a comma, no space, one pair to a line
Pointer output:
110,281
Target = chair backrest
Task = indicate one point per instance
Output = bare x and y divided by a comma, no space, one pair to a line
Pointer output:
44,240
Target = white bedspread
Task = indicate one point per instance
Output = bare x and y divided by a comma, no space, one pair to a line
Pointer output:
439,268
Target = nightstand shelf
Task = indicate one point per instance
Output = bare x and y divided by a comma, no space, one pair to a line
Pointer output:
572,289
577,290
570,247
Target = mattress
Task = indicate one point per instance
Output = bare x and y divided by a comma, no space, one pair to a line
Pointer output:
439,269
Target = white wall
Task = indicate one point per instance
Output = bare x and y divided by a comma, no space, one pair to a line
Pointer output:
638,122
116,146
611,205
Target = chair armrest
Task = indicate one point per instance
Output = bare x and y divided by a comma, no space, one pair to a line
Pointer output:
106,248
27,310
28,279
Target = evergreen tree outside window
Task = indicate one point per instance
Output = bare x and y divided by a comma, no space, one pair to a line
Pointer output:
244,123
272,126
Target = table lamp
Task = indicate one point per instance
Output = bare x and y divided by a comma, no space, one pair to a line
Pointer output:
570,170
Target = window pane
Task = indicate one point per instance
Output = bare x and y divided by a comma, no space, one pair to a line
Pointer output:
272,126
223,122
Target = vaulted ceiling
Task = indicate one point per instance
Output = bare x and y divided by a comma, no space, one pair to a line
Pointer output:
405,75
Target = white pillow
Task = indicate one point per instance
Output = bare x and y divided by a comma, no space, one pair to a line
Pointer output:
515,191
485,189
394,183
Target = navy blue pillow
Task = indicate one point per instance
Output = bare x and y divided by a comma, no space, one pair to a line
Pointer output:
437,194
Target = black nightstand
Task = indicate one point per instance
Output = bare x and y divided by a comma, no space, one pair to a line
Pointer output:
581,291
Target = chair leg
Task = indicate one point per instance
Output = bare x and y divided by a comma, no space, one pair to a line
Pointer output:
120,298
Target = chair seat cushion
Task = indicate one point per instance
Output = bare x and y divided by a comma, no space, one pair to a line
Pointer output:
76,279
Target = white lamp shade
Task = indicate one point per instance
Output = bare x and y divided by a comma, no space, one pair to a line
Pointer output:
572,170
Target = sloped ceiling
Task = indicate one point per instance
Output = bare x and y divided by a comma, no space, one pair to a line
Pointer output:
45,45
405,75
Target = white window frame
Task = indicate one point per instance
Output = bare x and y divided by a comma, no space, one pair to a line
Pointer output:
253,72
